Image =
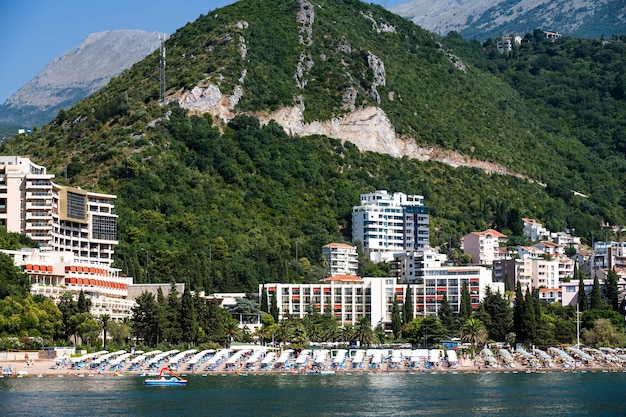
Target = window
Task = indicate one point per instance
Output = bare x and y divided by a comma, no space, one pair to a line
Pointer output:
76,206
104,228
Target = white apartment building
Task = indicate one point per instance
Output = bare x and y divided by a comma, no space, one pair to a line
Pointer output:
388,223
484,247
534,230
341,259
26,199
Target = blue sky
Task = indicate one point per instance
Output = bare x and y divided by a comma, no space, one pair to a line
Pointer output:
34,32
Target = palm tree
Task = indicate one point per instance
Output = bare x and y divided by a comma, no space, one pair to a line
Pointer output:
104,323
474,332
363,332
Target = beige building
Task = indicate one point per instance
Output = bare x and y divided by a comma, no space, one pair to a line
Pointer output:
341,259
484,247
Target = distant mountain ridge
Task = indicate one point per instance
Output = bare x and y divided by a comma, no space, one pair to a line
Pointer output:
482,19
76,74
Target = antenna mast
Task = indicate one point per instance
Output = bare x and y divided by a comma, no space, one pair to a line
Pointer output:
162,98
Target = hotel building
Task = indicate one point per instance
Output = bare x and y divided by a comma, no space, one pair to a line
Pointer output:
350,298
76,230
388,223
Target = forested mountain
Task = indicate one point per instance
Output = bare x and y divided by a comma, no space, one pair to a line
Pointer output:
210,195
483,19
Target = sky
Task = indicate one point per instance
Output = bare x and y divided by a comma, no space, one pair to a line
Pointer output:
34,32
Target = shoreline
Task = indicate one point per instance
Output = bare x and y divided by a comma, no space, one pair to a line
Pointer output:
45,368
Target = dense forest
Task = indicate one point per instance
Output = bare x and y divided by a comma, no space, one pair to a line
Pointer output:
229,205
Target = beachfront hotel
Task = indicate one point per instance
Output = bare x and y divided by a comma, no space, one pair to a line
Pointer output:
349,298
76,231
389,223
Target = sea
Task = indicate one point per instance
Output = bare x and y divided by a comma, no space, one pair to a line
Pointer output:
393,394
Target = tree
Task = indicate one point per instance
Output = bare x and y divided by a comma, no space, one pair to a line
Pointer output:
88,329
274,307
500,315
264,303
604,334
596,295
612,289
84,304
188,324
13,282
529,319
445,313
104,323
518,310
582,294
396,321
144,321
363,332
473,331
465,308
409,310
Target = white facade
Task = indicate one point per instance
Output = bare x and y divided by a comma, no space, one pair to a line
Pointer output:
53,274
59,218
26,199
76,230
341,259
484,247
387,223
534,230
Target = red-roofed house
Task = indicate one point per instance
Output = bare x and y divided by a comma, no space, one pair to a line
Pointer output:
484,247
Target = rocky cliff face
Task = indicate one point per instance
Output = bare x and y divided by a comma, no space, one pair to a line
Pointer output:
480,19
77,74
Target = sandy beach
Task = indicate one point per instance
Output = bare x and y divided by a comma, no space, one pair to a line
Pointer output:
49,368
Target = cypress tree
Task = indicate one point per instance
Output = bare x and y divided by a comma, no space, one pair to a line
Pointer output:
596,295
529,323
445,313
612,289
264,304
518,311
396,321
274,307
188,323
582,295
465,308
407,317
84,304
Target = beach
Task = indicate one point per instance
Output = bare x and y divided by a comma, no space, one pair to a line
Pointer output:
240,364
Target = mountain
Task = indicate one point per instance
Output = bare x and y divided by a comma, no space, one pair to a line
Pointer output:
278,114
482,19
76,74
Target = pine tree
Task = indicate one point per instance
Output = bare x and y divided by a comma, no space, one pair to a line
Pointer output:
408,315
396,321
274,307
596,295
264,303
465,308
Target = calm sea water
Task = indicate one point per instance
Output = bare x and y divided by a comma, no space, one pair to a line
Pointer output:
495,394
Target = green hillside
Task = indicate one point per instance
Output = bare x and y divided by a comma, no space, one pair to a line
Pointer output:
226,207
